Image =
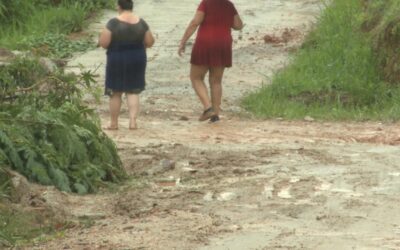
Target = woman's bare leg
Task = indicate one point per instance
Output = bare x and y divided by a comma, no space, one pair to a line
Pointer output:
216,74
197,75
133,107
115,107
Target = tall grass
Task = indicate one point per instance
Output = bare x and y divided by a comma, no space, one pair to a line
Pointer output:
383,23
38,18
335,74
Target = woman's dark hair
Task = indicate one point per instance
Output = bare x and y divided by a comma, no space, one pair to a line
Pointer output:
125,4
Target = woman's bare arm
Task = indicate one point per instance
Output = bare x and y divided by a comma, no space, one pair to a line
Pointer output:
105,38
237,23
192,27
149,39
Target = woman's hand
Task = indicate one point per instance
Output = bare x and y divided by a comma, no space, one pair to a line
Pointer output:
148,39
237,23
104,38
192,27
181,50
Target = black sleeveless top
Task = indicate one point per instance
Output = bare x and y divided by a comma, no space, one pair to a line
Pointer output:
123,32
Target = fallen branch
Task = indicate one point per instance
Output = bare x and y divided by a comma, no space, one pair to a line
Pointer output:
38,84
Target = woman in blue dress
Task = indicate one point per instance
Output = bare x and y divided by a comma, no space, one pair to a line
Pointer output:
126,38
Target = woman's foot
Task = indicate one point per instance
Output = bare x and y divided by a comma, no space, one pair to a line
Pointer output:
207,114
111,128
214,118
132,125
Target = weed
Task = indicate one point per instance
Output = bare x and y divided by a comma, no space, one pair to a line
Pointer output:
54,45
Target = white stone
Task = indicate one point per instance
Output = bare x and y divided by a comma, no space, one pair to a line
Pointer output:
285,193
208,197
227,196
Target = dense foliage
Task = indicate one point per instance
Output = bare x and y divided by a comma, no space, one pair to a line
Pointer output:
341,71
48,134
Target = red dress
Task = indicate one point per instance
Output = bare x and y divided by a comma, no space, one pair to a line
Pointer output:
213,45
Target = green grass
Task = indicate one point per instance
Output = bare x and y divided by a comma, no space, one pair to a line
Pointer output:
382,21
22,22
334,76
4,181
21,227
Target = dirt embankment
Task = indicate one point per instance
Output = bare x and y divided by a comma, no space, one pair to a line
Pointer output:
240,183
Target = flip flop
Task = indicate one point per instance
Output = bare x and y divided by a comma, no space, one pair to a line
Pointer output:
214,118
207,114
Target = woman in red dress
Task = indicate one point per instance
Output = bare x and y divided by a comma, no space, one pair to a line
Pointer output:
212,51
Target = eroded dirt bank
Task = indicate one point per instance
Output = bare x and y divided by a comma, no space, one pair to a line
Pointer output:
241,183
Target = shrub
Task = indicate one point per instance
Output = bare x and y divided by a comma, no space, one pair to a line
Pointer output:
48,134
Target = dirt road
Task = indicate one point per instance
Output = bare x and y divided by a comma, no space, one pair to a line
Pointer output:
241,183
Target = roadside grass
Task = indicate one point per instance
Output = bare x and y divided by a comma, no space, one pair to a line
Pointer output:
22,22
334,76
18,227
15,224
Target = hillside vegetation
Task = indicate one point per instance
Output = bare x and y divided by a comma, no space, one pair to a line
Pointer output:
47,133
348,68
43,26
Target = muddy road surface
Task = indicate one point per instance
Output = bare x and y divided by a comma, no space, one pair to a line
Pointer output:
241,183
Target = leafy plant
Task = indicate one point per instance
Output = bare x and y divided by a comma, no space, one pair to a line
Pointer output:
54,45
60,147
49,135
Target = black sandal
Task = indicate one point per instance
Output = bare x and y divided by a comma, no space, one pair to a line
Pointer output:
214,118
207,114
